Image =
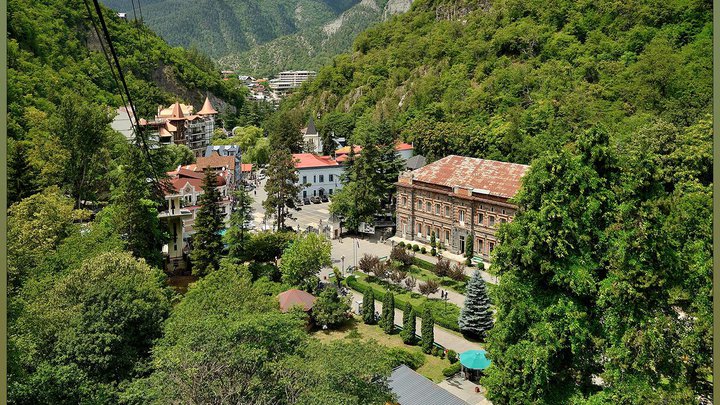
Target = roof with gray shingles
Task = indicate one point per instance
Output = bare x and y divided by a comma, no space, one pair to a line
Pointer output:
416,162
413,389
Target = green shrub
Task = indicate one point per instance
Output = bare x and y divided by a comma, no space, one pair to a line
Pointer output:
451,370
423,264
423,250
452,356
416,248
434,351
354,334
401,244
411,358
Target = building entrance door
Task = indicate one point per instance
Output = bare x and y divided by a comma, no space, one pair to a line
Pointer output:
462,244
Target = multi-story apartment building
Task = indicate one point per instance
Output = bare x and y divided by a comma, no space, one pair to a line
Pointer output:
319,174
290,80
460,199
178,125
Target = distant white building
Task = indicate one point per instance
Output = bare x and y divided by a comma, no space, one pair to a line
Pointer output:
290,79
319,174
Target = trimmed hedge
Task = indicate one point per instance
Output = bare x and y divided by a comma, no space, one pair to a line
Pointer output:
451,370
423,264
442,318
411,358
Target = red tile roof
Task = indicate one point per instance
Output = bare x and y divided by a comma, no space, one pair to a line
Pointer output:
483,176
403,146
207,108
290,298
399,146
215,160
246,167
307,160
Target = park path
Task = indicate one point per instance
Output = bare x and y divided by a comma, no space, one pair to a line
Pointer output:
442,335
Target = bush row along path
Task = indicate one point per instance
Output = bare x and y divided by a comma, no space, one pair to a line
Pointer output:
442,335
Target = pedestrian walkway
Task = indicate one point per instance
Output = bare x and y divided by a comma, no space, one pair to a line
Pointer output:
442,336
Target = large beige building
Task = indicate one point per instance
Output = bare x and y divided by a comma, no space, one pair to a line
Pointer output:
461,199
178,124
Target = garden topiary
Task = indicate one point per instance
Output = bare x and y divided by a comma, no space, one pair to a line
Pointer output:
423,250
416,248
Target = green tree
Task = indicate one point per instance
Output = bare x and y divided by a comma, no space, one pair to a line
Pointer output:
21,177
268,246
368,307
284,131
409,320
282,187
475,316
177,155
237,235
468,252
387,318
433,242
136,214
305,257
427,328
93,327
330,309
207,242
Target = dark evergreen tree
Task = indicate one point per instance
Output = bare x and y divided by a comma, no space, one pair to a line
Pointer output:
20,178
237,235
433,244
427,337
207,241
282,187
468,252
388,313
368,307
136,214
409,320
475,316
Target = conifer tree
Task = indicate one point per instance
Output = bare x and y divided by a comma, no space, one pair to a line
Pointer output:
427,337
237,235
408,332
207,241
136,213
282,187
368,307
468,252
475,316
388,313
21,179
433,244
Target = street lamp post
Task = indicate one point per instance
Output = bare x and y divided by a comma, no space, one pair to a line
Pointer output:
342,258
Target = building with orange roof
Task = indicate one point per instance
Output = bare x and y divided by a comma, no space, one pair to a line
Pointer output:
460,199
405,150
179,124
320,175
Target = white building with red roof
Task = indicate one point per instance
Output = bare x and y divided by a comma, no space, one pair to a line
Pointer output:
319,174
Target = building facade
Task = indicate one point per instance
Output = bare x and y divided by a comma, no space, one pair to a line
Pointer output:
320,175
179,125
311,138
291,79
461,200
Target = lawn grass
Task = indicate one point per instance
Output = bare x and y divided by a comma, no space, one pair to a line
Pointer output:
432,368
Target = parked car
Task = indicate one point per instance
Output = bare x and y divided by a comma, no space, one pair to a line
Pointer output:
324,198
261,176
249,187
316,200
306,201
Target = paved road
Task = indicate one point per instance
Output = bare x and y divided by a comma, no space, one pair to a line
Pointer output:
442,336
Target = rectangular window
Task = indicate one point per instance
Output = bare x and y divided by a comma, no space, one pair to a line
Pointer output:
480,219
314,179
331,177
322,178
491,221
447,211
461,216
404,201
491,246
447,237
503,211
480,245
304,193
492,209
503,220
419,205
330,191
428,206
437,209
419,229
427,228
304,179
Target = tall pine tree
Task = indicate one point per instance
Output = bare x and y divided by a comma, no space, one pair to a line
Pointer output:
409,320
282,187
475,316
388,313
237,235
136,214
368,307
427,337
207,241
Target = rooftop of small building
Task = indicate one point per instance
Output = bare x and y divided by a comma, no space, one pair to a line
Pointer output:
308,160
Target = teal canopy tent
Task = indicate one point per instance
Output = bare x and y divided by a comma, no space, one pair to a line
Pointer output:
473,361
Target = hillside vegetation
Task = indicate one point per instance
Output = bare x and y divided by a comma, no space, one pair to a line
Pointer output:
314,46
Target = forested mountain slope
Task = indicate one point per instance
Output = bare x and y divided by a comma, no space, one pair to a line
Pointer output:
222,27
506,79
314,46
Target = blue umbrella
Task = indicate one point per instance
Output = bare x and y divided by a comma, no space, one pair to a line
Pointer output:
474,360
